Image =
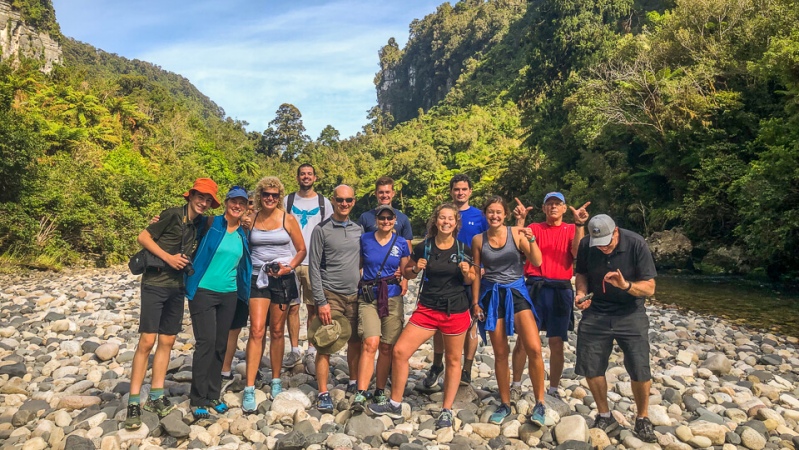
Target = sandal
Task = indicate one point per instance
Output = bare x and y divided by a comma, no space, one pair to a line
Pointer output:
219,406
200,412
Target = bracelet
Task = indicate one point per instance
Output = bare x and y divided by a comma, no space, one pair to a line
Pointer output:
629,286
413,269
531,240
579,224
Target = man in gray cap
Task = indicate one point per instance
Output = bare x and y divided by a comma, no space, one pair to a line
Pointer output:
614,265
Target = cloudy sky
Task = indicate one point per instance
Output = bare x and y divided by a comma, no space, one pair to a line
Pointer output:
250,56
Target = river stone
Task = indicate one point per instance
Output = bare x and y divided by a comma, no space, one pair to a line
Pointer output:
361,425
700,442
658,415
107,351
338,440
397,439
14,370
71,402
174,426
486,430
717,363
572,428
557,405
289,401
75,442
751,439
714,432
599,438
732,438
292,440
15,385
22,417
36,443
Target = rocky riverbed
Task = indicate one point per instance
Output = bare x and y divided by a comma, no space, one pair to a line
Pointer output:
67,340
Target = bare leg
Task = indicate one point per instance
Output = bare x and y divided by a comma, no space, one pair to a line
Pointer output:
255,343
519,360
161,360
277,339
599,390
640,393
499,340
140,361
470,344
438,343
383,365
311,315
322,371
410,340
452,372
294,325
366,365
556,360
353,357
232,345
525,324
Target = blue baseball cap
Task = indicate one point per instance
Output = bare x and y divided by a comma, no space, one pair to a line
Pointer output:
556,195
237,191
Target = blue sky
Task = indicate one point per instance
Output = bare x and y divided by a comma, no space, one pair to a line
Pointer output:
251,56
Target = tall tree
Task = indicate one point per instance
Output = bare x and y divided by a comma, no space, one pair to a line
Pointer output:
286,133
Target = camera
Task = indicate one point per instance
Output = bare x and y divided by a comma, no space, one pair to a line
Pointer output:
274,267
188,269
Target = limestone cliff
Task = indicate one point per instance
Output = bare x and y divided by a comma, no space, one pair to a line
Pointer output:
19,38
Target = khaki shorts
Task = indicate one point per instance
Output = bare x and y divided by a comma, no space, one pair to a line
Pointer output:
306,296
388,328
347,305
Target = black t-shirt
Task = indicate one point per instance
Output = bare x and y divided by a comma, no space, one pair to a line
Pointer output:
631,256
442,287
167,233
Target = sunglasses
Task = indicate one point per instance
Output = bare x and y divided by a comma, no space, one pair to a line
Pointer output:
344,200
385,218
270,195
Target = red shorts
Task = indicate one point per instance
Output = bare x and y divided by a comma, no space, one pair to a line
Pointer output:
451,325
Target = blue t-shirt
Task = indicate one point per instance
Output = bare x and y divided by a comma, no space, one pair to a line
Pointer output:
402,226
372,254
473,222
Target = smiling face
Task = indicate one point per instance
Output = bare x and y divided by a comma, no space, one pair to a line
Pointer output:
270,198
235,207
306,178
199,202
446,221
460,193
495,214
343,201
386,221
608,249
384,194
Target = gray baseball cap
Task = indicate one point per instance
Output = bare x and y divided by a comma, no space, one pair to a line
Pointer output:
600,230
382,208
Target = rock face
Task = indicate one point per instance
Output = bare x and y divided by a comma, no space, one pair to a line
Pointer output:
670,250
18,38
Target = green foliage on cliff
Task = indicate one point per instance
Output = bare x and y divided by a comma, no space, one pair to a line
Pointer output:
39,14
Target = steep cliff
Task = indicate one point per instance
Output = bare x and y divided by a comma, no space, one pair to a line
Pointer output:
23,35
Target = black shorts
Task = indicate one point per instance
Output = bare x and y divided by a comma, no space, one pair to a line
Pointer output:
161,309
281,291
519,303
241,316
595,336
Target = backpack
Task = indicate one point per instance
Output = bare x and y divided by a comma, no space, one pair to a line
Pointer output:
290,203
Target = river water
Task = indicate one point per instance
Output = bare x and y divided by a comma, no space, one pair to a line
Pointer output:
756,305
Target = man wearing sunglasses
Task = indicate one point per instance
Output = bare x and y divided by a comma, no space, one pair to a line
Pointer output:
310,209
614,265
335,258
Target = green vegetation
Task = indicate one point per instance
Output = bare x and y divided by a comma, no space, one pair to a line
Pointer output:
662,113
39,14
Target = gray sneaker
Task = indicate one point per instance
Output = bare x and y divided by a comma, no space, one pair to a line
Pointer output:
291,360
515,394
309,362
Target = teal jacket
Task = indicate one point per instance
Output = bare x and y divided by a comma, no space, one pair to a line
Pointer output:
205,253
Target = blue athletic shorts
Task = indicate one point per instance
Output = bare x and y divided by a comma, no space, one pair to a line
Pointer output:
554,308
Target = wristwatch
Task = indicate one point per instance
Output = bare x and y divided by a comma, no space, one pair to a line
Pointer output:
531,240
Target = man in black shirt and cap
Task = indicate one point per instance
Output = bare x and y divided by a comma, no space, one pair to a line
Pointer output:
614,265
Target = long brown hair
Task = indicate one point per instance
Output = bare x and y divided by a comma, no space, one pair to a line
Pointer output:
432,230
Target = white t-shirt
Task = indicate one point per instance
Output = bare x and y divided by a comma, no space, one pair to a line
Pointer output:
307,213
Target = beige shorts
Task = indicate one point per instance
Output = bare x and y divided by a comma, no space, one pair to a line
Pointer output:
388,328
347,305
306,296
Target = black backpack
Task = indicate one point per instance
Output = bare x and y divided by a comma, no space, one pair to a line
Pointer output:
290,203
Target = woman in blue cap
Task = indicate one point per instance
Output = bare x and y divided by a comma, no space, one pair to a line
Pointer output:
221,277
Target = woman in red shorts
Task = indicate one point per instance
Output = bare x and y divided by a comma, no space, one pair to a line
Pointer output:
442,306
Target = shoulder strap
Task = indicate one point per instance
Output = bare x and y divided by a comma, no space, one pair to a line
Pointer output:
321,204
285,213
385,258
290,201
460,251
428,244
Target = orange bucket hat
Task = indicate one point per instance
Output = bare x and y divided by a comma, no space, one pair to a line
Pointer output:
205,186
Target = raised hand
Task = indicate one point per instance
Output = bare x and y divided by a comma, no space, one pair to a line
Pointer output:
580,215
616,279
520,211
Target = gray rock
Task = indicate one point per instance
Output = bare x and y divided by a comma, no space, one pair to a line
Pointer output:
22,417
557,405
670,249
315,438
373,441
717,363
467,416
732,438
771,360
572,428
14,370
293,440
79,443
397,439
412,446
361,425
174,426
574,445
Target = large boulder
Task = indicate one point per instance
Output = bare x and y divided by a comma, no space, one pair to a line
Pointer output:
671,250
725,260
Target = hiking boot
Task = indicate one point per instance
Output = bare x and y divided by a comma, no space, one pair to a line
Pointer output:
444,419
358,403
309,362
500,414
387,409
248,404
515,394
291,360
324,403
352,388
644,430
539,414
161,406
466,378
432,377
277,387
606,424
133,419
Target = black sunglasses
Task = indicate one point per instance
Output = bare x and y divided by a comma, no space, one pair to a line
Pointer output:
385,217
344,200
270,195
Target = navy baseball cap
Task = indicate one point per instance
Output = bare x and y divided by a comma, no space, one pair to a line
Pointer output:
556,195
237,191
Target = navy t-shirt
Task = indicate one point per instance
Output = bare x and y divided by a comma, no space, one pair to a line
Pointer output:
372,254
473,222
402,226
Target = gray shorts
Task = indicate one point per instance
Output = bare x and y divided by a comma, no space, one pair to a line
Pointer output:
595,337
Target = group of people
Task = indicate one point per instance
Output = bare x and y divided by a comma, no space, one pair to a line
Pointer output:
477,276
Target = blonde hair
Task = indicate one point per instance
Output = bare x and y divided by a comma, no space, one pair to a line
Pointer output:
432,230
266,183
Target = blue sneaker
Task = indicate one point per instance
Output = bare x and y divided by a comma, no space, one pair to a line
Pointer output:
444,419
324,403
248,404
277,387
539,414
500,414
386,409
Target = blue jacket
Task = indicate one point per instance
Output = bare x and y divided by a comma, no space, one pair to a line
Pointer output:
205,253
492,308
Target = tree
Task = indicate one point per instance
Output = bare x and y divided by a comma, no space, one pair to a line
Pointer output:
286,133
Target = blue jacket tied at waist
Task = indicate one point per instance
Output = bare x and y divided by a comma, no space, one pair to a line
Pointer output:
206,252
492,308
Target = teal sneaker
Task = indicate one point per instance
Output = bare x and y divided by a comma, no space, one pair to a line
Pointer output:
358,403
277,387
539,414
248,404
500,414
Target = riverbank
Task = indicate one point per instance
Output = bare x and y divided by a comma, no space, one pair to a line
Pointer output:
67,339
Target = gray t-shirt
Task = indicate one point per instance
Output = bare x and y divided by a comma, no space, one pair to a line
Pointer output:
335,257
